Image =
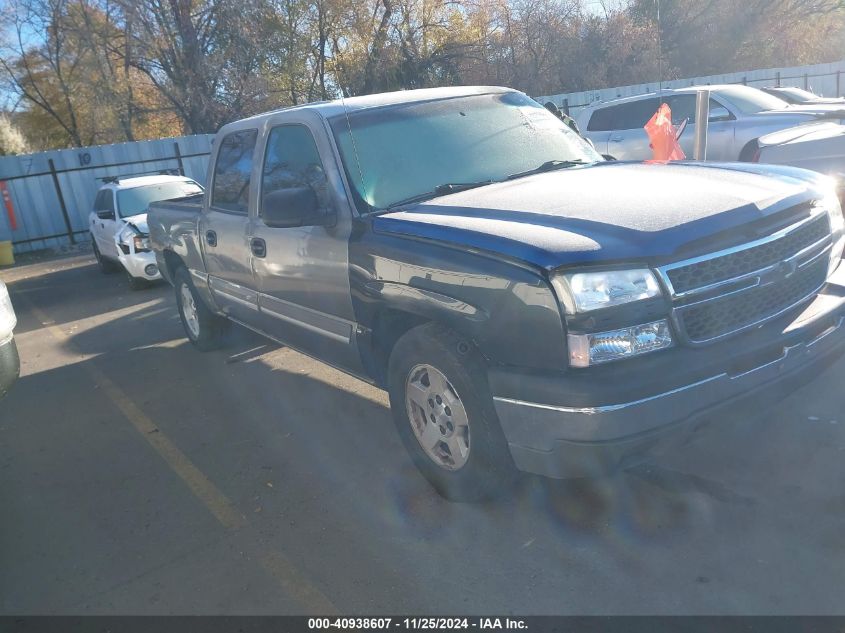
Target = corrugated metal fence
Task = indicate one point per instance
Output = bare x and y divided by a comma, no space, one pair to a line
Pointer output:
51,193
824,79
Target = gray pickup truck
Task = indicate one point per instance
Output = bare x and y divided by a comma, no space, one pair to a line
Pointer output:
526,304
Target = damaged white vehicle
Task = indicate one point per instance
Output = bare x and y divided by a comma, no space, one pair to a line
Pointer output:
118,223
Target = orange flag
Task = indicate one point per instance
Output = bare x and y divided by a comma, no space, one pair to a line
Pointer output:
662,135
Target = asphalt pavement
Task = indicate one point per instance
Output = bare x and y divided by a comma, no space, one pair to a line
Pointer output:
140,476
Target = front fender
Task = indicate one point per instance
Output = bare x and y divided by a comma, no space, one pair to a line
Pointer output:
431,305
508,311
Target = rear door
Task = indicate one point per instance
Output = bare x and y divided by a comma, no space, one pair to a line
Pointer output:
628,140
224,227
303,272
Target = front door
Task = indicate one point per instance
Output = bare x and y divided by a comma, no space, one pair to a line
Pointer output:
104,228
225,228
303,272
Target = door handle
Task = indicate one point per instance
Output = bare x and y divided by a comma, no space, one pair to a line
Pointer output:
211,238
616,139
258,247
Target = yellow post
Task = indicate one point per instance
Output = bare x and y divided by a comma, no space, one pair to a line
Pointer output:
7,257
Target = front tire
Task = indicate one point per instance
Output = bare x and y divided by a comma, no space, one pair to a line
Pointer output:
444,414
136,283
203,328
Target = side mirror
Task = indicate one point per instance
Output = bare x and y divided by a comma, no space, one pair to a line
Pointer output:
105,214
719,114
296,206
608,157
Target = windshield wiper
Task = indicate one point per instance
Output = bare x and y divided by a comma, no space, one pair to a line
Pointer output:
549,165
440,190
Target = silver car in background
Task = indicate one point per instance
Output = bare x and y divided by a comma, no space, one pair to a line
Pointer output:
819,147
739,115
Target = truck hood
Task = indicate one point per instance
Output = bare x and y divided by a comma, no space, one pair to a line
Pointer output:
607,212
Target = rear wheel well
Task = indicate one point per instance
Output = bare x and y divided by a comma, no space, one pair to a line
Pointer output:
747,154
173,263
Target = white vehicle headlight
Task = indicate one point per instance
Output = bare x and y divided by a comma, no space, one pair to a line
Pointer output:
142,243
7,315
587,291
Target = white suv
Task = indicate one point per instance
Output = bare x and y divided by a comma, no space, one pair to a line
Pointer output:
118,223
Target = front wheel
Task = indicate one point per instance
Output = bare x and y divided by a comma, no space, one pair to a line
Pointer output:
203,328
136,283
444,414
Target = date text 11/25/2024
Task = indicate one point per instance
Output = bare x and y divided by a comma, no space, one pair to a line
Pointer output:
412,624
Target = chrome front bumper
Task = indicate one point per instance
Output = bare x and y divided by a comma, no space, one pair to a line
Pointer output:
560,441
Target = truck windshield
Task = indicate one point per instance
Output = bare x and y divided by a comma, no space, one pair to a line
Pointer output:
399,152
136,200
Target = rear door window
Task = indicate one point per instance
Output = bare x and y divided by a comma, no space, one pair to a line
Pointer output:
230,190
634,115
600,121
683,108
625,116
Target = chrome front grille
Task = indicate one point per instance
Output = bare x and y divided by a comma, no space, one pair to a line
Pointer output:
720,294
737,263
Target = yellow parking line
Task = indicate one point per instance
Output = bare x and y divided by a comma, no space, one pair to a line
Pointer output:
226,513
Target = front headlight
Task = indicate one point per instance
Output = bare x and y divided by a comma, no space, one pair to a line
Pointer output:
142,243
587,291
8,321
831,204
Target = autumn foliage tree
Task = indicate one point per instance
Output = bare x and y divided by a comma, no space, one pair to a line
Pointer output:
79,72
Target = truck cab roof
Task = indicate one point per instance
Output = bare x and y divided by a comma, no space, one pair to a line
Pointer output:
330,109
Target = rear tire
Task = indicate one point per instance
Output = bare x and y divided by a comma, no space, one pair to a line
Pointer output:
444,414
106,265
203,328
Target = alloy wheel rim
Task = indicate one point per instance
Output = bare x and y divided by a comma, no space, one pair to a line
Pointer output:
189,311
438,417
